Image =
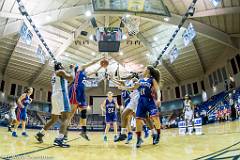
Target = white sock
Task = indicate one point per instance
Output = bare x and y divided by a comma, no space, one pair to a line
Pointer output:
42,131
154,131
123,130
60,136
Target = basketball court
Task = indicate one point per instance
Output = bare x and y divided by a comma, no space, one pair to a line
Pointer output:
219,141
193,44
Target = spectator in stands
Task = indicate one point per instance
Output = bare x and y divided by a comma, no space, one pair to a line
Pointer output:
203,114
233,109
225,113
226,85
238,107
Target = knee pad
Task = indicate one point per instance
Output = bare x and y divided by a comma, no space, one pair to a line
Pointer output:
84,114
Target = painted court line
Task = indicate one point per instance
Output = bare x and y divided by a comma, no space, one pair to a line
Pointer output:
34,151
222,150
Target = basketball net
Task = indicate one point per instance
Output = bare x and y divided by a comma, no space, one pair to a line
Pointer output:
132,24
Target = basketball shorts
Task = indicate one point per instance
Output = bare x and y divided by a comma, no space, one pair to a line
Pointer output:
60,103
111,117
145,105
21,114
77,96
133,103
188,115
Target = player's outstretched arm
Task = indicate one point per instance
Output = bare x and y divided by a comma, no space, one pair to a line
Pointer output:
62,73
117,82
94,72
90,63
135,86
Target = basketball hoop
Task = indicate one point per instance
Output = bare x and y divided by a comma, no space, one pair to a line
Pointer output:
132,24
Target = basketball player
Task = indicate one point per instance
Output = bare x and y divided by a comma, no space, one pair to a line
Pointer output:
60,104
12,116
77,94
130,105
110,107
147,104
22,103
188,111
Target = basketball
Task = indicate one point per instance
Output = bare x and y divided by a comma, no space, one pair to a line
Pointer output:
104,63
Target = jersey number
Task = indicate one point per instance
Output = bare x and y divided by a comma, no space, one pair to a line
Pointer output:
110,110
142,91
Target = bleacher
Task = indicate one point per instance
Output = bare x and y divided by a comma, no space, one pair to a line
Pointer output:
214,104
37,119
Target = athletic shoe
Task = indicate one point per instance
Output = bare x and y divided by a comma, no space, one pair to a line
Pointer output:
60,143
146,131
121,137
9,128
84,135
115,138
14,134
129,138
139,142
39,137
156,138
65,138
24,134
105,138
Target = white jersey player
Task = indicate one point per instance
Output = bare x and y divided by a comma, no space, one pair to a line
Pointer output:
134,96
188,111
60,104
12,114
59,99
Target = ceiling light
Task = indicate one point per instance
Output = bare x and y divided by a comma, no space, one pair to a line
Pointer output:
166,19
93,53
148,54
141,65
88,13
120,53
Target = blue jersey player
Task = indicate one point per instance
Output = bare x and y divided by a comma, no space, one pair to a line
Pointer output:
77,94
110,107
147,102
22,103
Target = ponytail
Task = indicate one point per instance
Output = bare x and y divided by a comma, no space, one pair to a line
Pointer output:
154,73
